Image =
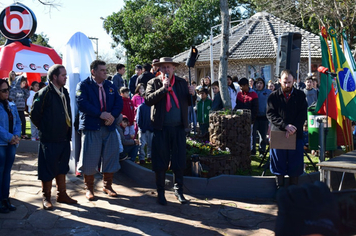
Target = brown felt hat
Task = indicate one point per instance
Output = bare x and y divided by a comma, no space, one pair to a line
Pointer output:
164,60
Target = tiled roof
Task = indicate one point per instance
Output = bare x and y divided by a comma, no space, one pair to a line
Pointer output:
256,38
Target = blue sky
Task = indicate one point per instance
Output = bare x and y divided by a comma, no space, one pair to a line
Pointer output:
70,17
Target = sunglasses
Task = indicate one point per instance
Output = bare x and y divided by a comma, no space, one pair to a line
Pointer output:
5,90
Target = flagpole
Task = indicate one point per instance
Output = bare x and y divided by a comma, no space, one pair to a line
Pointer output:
327,118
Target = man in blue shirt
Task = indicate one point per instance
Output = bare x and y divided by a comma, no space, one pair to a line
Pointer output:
117,80
261,123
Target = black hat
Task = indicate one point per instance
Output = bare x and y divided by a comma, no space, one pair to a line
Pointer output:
243,81
138,67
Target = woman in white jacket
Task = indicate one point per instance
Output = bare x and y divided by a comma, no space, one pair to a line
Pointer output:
232,91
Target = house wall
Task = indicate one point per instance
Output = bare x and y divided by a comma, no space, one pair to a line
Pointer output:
239,68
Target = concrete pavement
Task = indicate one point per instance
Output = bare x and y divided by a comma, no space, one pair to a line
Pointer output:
134,212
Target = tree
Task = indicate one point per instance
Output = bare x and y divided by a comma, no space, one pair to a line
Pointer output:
154,28
38,39
310,14
224,54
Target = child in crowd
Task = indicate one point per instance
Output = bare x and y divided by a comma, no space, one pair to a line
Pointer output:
315,84
310,93
34,88
128,110
251,83
145,131
19,94
42,85
207,85
217,102
130,146
138,99
204,106
270,85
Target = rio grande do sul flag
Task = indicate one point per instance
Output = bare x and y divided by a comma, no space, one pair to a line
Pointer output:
345,80
327,98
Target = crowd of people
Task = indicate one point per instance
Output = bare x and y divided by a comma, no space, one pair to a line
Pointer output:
143,119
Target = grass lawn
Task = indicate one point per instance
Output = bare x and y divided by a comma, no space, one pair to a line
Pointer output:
28,128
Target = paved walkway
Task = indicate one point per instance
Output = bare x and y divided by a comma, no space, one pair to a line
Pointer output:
134,212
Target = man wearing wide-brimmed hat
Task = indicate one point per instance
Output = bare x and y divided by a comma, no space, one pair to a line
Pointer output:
169,98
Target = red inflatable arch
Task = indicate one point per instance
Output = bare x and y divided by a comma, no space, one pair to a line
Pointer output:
34,60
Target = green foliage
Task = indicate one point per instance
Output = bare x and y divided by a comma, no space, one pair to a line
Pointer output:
203,148
226,111
38,39
155,28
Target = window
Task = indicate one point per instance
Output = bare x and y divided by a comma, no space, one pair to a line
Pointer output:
256,71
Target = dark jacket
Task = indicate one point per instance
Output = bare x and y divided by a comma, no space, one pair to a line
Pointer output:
48,115
156,96
143,118
132,83
281,113
87,97
248,101
145,77
217,102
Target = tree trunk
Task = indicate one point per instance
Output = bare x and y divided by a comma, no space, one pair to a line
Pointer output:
224,54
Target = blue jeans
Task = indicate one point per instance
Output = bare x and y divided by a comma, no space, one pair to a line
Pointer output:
7,157
131,151
192,117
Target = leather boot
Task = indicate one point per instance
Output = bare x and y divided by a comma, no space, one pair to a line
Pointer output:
178,186
89,186
293,180
62,195
46,195
160,183
6,202
279,181
107,181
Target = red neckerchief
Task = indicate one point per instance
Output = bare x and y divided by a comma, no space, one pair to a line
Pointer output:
287,96
170,91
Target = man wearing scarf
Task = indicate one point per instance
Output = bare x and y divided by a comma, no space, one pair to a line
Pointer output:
51,114
287,111
169,97
99,105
